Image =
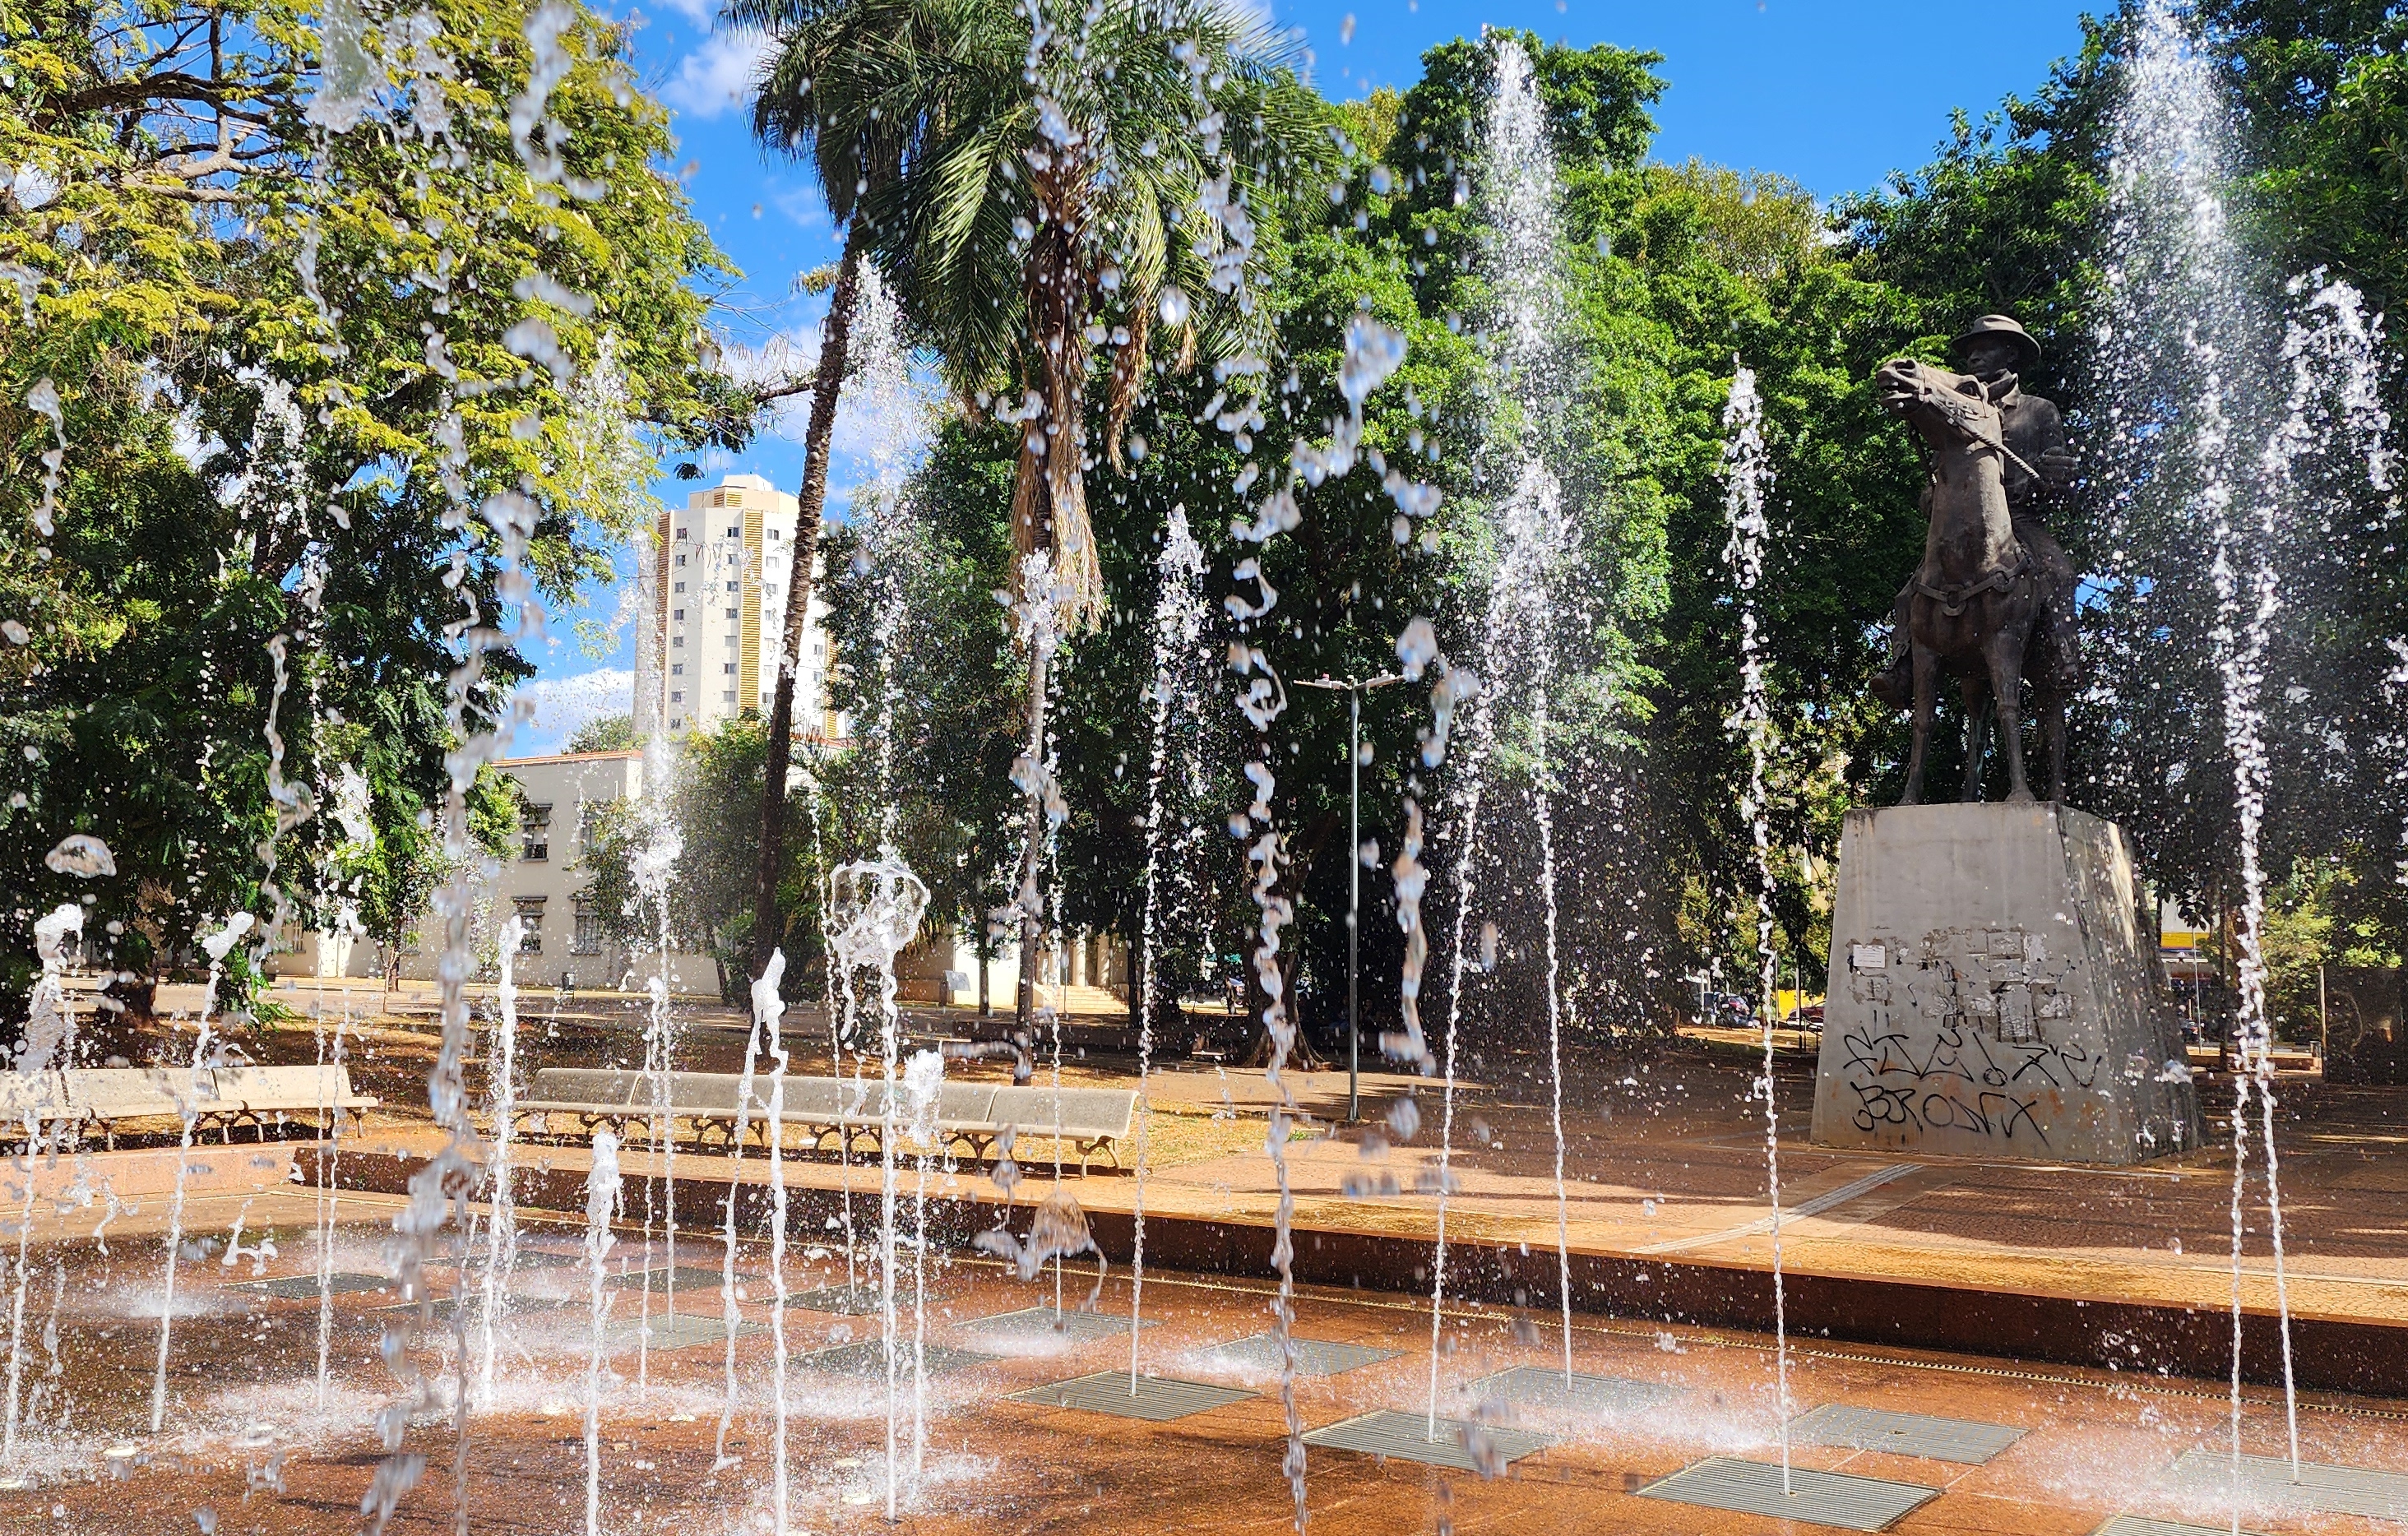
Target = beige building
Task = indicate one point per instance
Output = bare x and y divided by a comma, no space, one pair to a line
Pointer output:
562,943
719,607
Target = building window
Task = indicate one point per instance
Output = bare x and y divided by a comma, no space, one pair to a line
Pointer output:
729,696
678,641
680,560
536,834
731,613
677,670
734,530
680,587
727,666
588,937
676,695
775,535
530,910
680,535
678,725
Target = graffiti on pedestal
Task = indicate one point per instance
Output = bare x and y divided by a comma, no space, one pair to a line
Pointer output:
1966,1031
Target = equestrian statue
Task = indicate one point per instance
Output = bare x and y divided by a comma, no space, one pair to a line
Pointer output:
1992,604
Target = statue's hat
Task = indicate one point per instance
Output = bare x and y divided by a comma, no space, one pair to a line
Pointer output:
2027,350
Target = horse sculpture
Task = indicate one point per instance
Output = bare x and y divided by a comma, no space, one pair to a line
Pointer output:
1992,604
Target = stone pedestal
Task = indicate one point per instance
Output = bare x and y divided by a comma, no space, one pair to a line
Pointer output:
1994,992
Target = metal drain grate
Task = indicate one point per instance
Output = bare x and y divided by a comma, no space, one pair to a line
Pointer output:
1824,1499
1407,1437
690,1277
2322,1486
2134,1525
1313,1356
1966,1441
671,1331
1585,1394
868,1358
1156,1397
1042,1322
844,1300
294,1287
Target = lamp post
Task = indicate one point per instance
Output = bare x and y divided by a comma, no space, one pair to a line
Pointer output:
1354,688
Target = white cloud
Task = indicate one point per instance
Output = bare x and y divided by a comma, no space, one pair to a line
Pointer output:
718,74
562,703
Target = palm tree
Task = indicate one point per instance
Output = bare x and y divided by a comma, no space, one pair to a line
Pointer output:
844,87
1085,173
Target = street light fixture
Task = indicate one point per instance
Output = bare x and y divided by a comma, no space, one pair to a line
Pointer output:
1354,688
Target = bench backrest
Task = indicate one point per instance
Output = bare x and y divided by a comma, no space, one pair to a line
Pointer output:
608,1087
1083,1111
310,1088
128,1093
41,1097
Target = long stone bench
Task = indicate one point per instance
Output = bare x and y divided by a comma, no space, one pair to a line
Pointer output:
85,1099
824,1109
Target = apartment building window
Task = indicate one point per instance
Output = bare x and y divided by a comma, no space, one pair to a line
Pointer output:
676,695
530,910
680,560
677,724
678,639
775,535
588,936
731,613
727,666
734,530
680,587
729,697
677,670
735,586
536,835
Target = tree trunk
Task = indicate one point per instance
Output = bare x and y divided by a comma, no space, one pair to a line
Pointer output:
768,925
984,950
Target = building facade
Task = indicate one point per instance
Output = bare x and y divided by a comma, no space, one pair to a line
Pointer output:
723,573
561,939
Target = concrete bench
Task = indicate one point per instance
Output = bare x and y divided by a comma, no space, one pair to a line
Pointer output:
826,1110
104,1098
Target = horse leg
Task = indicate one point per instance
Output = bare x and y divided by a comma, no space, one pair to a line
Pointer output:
1927,684
2006,678
2053,727
1976,689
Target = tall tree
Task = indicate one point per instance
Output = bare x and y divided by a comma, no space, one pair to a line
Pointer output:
1096,179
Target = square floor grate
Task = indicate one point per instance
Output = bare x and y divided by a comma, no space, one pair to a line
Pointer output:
868,1358
670,1331
1584,1394
1966,1441
1043,1322
1407,1437
2134,1525
294,1287
2321,1486
1313,1356
690,1277
844,1300
1156,1397
1822,1498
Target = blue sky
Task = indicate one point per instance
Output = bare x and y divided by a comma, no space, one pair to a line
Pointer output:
1834,93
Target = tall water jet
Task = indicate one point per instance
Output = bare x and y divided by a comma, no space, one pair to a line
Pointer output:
49,1045
875,908
1521,199
601,1209
1747,474
2191,389
189,1104
1178,632
501,1225
768,1009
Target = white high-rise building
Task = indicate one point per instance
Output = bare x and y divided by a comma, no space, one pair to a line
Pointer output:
719,596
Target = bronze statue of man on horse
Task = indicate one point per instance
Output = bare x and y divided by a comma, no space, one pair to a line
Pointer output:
1991,605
